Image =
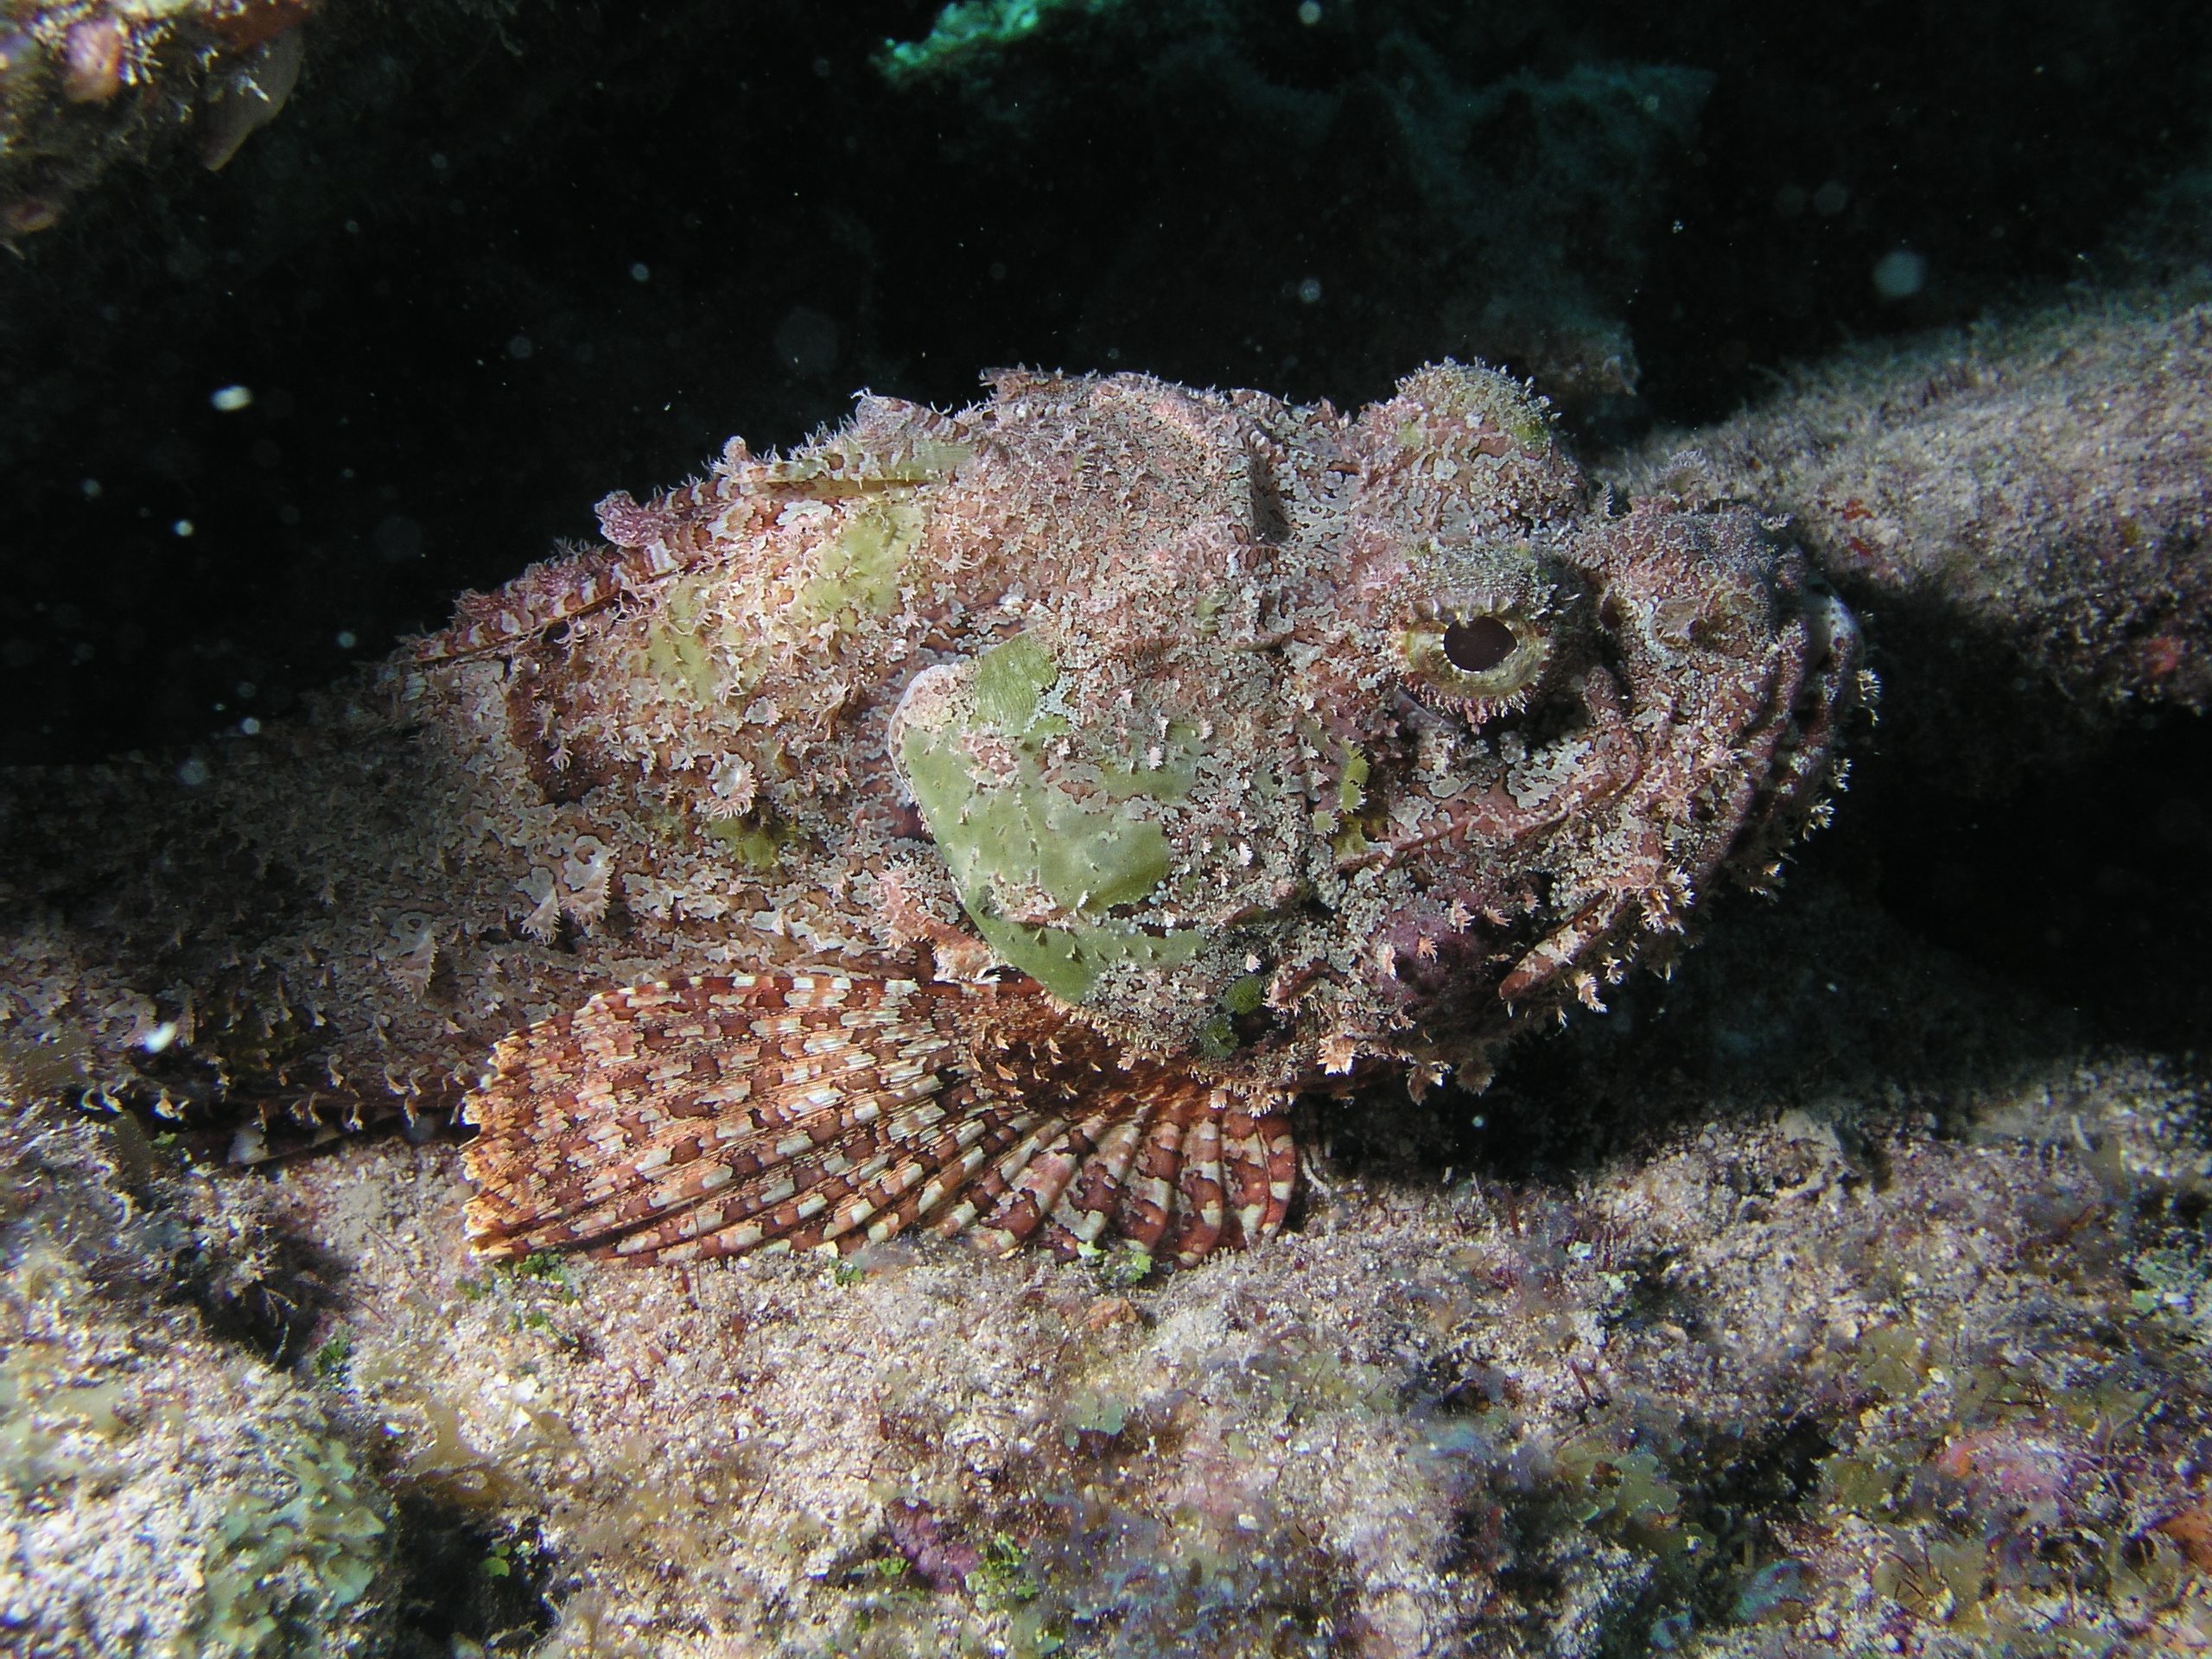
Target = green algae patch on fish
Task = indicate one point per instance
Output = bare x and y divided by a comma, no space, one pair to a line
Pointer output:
856,572
1068,960
697,646
678,653
758,844
1039,872
1008,679
1031,836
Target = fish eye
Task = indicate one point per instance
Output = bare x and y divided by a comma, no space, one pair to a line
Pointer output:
1482,661
1479,646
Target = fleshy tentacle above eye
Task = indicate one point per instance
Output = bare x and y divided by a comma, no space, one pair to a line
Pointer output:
717,1115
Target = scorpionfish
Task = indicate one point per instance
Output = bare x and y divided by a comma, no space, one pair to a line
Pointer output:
1028,802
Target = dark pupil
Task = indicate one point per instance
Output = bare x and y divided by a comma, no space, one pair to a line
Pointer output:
1479,646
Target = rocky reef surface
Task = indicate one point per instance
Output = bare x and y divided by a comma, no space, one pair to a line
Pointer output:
1833,1295
2023,502
1881,1320
1849,1291
85,86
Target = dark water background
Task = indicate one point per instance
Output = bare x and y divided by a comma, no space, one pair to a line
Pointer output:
496,260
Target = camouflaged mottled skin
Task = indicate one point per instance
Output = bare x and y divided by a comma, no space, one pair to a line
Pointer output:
1244,743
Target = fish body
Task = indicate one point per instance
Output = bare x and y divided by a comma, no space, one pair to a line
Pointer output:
1027,802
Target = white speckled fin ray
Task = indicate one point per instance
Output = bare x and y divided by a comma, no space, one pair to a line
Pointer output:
1260,1168
1148,1197
825,1195
728,1095
1085,1206
713,1116
1032,1195
1198,1208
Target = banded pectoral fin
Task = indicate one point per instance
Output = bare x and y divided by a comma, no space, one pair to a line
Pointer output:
715,1115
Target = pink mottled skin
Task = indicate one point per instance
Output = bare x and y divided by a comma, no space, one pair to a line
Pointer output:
1234,746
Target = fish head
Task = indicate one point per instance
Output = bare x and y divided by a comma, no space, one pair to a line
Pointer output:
1421,747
